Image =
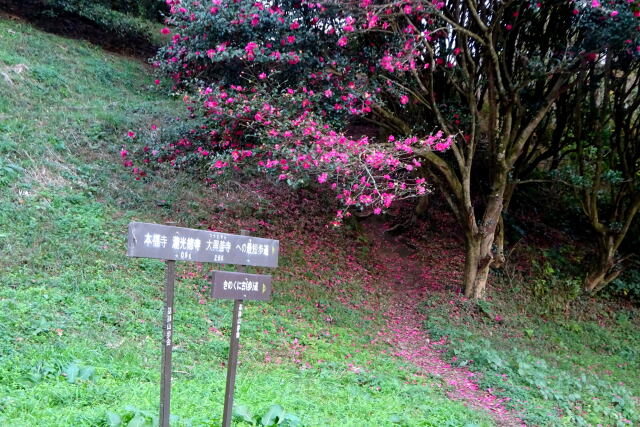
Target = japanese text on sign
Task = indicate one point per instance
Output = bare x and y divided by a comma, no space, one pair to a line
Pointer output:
185,244
244,286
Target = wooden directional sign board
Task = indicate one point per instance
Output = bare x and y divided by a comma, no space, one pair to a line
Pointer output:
186,244
244,286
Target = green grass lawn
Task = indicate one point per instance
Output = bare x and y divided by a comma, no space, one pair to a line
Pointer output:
80,322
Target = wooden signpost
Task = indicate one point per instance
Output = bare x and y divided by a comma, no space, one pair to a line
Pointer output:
186,244
173,244
238,286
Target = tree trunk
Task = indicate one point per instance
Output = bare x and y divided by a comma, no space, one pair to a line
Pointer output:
423,205
479,246
471,261
500,257
478,261
603,271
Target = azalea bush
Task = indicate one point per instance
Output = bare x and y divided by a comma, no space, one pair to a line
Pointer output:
454,90
283,105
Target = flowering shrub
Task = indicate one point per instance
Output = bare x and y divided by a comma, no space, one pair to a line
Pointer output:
458,89
270,86
274,85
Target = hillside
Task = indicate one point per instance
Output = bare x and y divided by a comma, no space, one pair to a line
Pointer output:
71,297
363,330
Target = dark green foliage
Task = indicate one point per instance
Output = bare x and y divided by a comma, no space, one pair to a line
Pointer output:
148,9
627,285
121,23
553,291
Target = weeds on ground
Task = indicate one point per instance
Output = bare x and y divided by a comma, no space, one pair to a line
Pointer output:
538,349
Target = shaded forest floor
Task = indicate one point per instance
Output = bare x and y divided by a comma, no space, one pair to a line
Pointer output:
366,327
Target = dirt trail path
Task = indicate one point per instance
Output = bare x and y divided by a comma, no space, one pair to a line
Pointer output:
409,282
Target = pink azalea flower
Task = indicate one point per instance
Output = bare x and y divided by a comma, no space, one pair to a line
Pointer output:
165,30
250,47
404,99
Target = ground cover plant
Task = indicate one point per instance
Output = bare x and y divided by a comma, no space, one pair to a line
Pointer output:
559,357
80,323
568,372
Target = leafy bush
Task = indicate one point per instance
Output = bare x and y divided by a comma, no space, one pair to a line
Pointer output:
119,23
554,292
275,415
628,285
149,9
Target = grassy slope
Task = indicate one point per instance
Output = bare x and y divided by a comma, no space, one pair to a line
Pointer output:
70,299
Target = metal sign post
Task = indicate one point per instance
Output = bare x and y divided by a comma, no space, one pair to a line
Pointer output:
167,346
232,364
238,286
170,243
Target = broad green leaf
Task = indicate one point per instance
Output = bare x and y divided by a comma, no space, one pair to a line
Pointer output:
242,412
273,416
395,419
87,373
138,421
113,419
72,372
291,420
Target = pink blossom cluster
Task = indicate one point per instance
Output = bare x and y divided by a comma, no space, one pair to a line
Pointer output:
281,110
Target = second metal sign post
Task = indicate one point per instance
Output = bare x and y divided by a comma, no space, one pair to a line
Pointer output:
238,286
